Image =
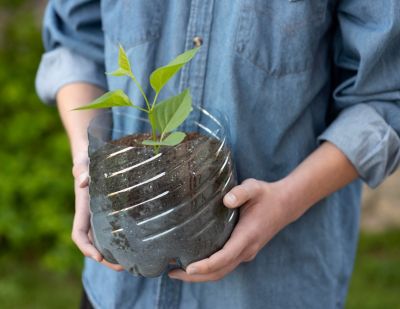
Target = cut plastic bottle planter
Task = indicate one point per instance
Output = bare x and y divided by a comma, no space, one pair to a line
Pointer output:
148,209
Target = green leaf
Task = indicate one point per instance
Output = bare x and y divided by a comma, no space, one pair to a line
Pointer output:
118,72
125,70
123,63
109,99
123,60
171,140
170,113
162,75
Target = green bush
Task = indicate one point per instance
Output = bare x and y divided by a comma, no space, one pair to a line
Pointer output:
376,278
36,197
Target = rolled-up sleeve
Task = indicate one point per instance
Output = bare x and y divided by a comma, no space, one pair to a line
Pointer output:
367,97
74,44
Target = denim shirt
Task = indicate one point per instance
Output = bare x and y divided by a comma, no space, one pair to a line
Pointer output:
289,74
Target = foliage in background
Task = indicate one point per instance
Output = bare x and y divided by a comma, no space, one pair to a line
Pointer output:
376,279
36,198
11,3
24,285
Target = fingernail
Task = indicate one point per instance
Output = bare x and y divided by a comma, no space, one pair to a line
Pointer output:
230,198
172,276
191,270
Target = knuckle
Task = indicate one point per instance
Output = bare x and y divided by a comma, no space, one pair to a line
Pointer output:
251,187
251,253
208,268
79,169
225,260
74,237
254,183
250,256
229,260
76,170
248,238
251,181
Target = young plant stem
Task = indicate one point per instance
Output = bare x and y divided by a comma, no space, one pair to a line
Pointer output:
155,100
141,90
141,109
153,129
153,124
149,111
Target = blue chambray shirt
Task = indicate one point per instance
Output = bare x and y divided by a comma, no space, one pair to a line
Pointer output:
289,74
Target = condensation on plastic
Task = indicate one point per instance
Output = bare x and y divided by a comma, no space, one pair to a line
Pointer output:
148,209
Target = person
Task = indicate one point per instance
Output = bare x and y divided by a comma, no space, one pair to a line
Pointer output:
312,91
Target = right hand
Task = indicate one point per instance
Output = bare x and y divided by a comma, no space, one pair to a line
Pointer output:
81,230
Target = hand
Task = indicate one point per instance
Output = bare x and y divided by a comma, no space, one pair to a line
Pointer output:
262,215
81,232
268,207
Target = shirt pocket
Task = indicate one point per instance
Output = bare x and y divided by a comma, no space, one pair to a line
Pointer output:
280,36
131,22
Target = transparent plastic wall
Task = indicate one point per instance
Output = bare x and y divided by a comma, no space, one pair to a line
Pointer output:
150,208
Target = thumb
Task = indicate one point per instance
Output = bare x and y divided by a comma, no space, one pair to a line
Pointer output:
239,195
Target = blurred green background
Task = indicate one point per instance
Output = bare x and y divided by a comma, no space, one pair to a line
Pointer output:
39,265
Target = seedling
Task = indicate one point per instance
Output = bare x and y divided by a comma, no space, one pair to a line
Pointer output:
165,116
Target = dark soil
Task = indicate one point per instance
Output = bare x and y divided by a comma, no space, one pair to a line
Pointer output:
135,140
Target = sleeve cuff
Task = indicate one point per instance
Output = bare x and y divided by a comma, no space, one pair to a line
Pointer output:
372,146
62,66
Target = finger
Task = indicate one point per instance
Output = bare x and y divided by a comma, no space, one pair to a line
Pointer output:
81,157
81,174
83,179
179,274
115,267
81,238
81,225
228,255
82,241
79,168
242,193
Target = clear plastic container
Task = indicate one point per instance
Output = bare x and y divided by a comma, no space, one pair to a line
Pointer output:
148,209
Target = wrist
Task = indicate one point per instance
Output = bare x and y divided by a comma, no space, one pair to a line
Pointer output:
290,201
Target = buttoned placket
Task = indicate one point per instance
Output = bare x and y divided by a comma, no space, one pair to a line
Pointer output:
197,35
192,76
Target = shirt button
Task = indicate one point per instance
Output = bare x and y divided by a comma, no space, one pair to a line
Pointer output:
197,41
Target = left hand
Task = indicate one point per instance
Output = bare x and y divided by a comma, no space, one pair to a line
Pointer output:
262,215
